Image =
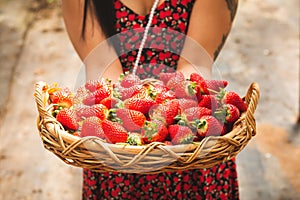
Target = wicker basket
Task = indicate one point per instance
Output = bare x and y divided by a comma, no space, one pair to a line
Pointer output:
95,154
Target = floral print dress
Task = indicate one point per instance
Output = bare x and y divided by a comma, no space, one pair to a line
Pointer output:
161,53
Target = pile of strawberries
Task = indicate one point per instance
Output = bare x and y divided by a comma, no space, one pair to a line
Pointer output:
173,109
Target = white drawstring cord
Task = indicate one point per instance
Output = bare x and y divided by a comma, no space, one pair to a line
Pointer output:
138,57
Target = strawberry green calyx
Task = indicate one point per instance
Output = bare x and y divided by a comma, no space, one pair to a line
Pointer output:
152,92
181,120
150,128
112,116
221,114
220,95
134,139
192,88
116,93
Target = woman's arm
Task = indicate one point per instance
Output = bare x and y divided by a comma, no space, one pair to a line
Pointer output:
210,24
104,58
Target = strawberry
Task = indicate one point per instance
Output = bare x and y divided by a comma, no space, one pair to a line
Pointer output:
68,118
93,85
154,131
97,110
207,86
228,113
208,126
231,97
185,89
127,93
165,77
135,139
132,120
187,103
62,97
97,96
165,112
191,114
208,101
129,80
164,96
110,102
91,126
195,77
173,82
161,93
180,134
114,132
142,105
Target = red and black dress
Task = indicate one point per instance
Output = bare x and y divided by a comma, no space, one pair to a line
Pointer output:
161,53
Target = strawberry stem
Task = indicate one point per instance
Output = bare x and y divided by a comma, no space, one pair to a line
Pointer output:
213,91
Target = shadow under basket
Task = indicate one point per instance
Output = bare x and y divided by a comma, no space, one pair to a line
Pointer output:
95,154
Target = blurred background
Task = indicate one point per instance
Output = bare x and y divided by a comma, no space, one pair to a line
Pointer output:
263,47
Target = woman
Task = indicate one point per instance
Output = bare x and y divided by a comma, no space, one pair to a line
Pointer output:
207,23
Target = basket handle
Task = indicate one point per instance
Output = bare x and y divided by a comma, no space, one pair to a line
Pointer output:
251,99
40,99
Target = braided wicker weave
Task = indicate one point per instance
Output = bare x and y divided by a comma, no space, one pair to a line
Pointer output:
95,154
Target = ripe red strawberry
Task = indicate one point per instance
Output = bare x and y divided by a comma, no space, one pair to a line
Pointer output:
212,85
114,132
97,96
131,120
68,118
173,82
135,139
129,80
161,93
154,131
165,77
127,93
228,113
165,112
164,96
191,114
180,134
62,97
142,105
231,97
187,103
185,89
110,102
93,85
208,101
97,110
208,126
196,77
91,126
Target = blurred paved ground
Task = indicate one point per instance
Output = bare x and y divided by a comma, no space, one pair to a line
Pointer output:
263,47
